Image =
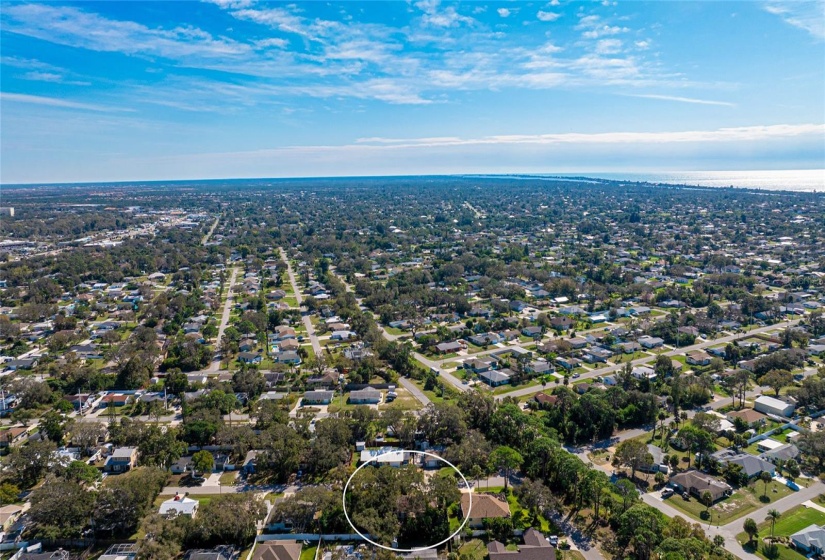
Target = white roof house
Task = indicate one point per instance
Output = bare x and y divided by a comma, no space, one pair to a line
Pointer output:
770,405
179,505
387,456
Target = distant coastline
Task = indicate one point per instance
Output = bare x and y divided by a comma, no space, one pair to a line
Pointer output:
794,180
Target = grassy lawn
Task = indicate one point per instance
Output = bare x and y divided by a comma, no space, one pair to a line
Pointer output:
228,478
308,552
503,389
430,394
738,505
791,521
394,331
544,525
474,550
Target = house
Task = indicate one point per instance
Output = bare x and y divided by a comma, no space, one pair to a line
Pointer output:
247,345
182,465
539,367
249,358
696,483
271,396
596,355
13,436
288,358
120,551
317,397
273,378
121,460
578,343
768,444
86,351
179,505
495,378
343,335
770,405
115,399
545,400
532,332
222,552
287,345
282,332
810,540
751,466
449,347
484,506
649,342
783,453
250,462
277,550
478,366
750,416
698,358
561,323
25,363
643,372
365,396
387,456
629,347
657,460
517,305
568,363
535,547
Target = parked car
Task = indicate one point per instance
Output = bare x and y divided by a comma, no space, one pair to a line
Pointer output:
667,492
553,540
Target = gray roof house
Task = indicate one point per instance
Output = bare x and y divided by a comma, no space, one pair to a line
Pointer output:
495,378
365,396
751,466
809,540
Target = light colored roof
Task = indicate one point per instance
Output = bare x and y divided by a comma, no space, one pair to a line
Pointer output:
772,402
386,455
810,536
484,506
180,504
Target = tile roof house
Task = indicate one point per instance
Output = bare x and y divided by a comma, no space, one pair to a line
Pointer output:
695,483
277,550
484,506
749,415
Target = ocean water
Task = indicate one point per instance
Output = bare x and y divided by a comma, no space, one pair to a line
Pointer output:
800,180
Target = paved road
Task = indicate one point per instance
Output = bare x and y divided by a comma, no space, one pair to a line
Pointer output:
227,310
415,391
685,349
305,317
206,237
450,378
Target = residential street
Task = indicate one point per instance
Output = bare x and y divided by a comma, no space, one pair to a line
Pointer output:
414,391
316,344
215,366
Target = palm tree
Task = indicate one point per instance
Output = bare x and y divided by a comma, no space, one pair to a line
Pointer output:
662,418
773,516
766,478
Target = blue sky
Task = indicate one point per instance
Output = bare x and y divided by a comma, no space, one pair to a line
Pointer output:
100,91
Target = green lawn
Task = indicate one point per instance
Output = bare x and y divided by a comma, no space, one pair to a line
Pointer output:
791,521
308,552
738,505
473,550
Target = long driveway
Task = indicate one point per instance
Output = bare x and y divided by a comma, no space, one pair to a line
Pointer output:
305,317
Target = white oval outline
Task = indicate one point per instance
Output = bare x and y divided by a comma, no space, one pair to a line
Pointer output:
436,545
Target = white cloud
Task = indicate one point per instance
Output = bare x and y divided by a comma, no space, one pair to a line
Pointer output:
809,15
437,17
642,45
503,12
61,103
71,26
277,42
745,133
685,99
547,16
609,46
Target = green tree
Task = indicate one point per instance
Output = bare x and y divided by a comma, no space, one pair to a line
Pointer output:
53,424
707,500
82,472
203,461
506,459
751,529
766,478
8,493
230,518
776,379
28,463
60,509
632,453
773,516
124,500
